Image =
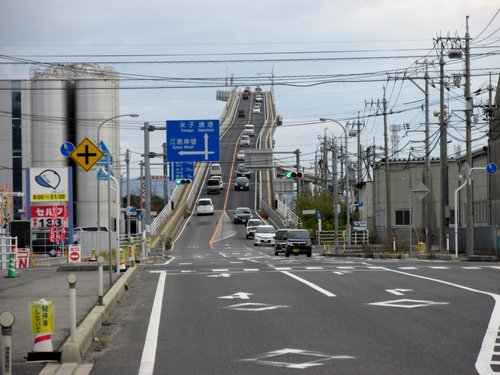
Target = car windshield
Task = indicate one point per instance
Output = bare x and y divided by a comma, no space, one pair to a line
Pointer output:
242,211
254,222
204,203
213,182
242,168
298,235
281,234
264,229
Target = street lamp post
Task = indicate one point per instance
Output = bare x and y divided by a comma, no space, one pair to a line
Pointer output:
348,219
134,115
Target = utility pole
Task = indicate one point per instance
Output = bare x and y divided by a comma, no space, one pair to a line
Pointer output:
335,193
468,144
324,164
443,155
387,174
427,174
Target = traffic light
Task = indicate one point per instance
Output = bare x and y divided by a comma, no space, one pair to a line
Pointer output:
293,175
183,181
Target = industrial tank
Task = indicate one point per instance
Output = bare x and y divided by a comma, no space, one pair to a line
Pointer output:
49,125
96,103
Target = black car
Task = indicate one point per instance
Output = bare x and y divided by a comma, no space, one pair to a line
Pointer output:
242,171
242,215
280,241
241,183
241,113
298,242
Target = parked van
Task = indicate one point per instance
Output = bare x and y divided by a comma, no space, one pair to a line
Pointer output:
215,170
249,130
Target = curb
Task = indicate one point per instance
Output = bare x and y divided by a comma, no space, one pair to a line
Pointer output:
72,351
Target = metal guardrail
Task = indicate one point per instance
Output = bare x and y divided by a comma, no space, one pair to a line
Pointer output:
290,218
358,237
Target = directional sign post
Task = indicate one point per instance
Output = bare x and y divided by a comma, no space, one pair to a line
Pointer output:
193,140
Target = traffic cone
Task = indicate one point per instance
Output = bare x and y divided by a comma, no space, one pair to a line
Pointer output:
93,256
123,257
43,342
12,266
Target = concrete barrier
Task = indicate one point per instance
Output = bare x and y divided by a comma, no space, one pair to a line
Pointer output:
72,351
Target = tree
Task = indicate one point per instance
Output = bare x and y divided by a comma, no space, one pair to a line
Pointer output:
320,202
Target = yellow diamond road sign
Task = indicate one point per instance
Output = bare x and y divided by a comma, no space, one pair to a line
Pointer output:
86,154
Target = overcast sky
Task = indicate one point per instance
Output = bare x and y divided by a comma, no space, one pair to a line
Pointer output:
329,43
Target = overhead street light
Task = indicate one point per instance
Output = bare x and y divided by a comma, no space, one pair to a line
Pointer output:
134,115
348,219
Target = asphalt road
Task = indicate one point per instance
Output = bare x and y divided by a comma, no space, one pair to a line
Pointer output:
220,305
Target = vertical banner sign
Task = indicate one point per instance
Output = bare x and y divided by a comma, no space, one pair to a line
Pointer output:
23,257
42,316
74,254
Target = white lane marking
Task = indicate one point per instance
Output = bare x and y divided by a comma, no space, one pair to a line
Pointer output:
239,295
439,268
407,303
314,268
310,284
188,271
282,268
484,358
398,291
185,264
221,270
471,268
407,268
220,275
168,261
251,269
149,350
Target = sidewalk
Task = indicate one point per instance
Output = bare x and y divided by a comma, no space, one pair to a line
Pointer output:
50,283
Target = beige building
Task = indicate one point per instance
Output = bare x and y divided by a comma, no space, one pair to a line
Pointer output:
409,194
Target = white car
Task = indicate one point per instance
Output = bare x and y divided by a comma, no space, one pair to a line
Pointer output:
204,206
256,109
245,140
264,235
240,156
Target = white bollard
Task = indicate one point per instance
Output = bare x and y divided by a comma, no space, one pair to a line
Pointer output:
7,321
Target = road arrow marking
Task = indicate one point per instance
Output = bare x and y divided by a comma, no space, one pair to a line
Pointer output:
239,295
398,291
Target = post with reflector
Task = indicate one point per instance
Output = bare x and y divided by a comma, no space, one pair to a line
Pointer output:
7,321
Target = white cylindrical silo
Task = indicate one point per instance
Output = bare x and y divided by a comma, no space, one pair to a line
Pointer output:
96,104
49,125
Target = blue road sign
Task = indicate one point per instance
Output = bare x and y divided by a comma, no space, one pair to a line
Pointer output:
361,204
491,168
319,214
182,170
105,150
67,148
193,140
101,175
